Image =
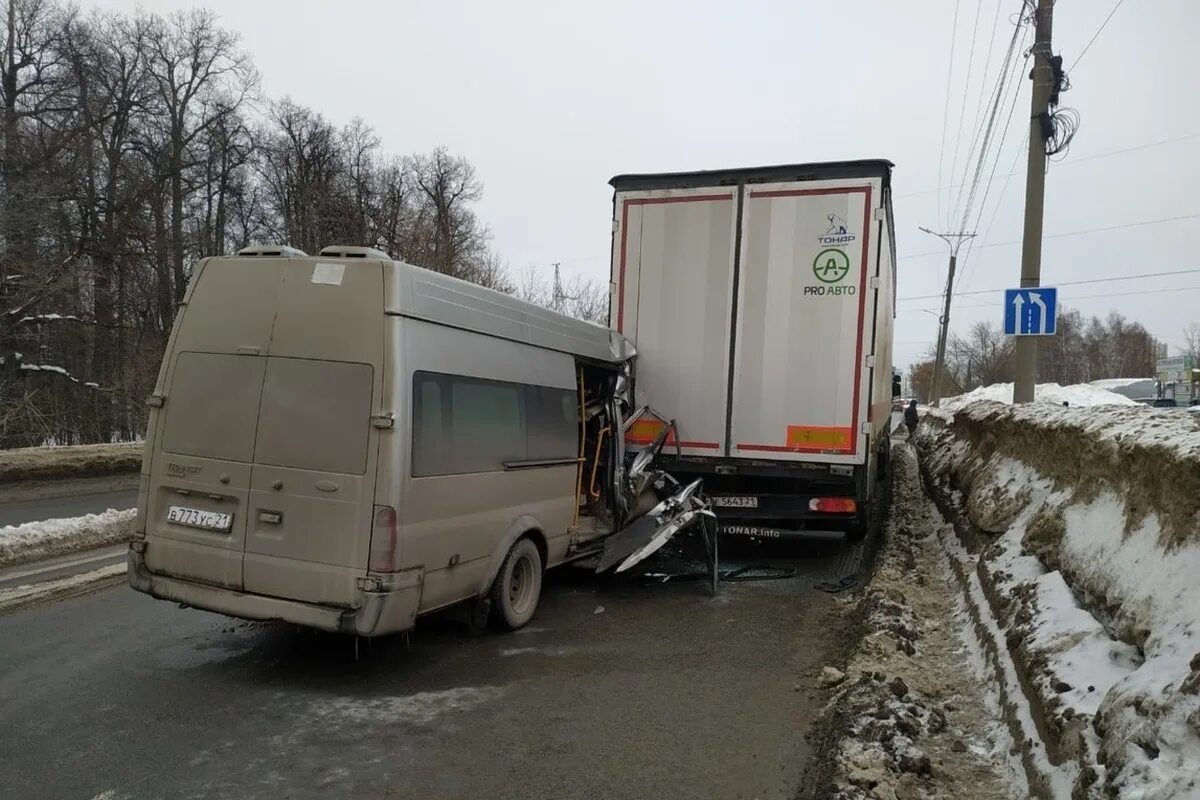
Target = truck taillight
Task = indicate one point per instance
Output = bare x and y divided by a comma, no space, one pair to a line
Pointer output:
833,505
385,542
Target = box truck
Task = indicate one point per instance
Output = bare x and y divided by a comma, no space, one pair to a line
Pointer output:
761,303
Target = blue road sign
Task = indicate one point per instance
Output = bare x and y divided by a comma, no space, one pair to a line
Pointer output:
1030,312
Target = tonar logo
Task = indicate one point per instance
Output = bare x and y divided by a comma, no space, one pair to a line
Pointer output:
837,233
181,470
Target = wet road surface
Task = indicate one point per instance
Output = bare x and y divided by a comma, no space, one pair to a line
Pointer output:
616,690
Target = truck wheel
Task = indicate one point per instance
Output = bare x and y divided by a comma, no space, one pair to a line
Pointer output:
863,524
518,586
885,461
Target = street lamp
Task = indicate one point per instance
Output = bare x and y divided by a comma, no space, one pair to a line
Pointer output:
953,241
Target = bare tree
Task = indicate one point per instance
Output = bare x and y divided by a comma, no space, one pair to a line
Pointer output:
191,60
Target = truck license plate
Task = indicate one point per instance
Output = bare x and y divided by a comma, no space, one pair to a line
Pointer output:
734,502
195,518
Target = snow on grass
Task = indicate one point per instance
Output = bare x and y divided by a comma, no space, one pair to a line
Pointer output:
55,537
76,461
1080,394
1093,572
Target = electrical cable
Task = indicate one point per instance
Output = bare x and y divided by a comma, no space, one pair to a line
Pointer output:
1070,161
999,87
962,115
1109,279
1095,36
1087,296
1001,84
1016,94
946,109
1069,233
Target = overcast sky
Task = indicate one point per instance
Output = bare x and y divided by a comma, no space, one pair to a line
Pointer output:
551,99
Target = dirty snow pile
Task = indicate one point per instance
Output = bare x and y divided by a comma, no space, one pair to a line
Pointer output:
1079,394
55,537
1089,524
908,719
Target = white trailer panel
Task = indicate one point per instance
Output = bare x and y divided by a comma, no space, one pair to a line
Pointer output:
804,322
673,284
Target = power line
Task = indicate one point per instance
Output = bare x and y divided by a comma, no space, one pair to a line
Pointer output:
1068,283
1069,161
962,115
946,109
984,135
1102,296
1073,299
1086,47
987,190
1073,233
987,68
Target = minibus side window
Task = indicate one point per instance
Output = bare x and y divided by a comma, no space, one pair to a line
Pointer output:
465,425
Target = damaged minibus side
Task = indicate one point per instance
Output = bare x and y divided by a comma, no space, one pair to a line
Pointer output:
348,442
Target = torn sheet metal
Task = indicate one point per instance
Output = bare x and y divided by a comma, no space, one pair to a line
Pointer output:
647,534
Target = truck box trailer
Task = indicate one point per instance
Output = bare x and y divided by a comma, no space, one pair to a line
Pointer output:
761,302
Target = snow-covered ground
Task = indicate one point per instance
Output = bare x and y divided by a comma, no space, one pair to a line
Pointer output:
1079,394
55,537
78,461
1088,520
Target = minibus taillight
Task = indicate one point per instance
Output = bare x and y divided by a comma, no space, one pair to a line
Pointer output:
833,505
385,542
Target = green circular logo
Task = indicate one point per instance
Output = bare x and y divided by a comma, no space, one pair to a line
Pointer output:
830,266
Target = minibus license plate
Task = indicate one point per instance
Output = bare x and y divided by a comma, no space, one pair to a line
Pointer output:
195,518
734,502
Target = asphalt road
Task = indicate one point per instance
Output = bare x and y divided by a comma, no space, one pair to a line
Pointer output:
616,690
20,512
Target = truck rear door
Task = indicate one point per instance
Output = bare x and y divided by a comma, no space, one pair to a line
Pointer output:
673,275
802,322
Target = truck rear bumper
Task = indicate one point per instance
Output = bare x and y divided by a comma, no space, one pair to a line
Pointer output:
390,610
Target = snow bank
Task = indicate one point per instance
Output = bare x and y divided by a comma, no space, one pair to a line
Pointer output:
1089,522
55,537
1119,383
81,461
1080,394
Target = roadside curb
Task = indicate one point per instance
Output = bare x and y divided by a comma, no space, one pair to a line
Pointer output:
22,597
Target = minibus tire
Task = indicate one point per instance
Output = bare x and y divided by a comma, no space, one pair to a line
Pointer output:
518,586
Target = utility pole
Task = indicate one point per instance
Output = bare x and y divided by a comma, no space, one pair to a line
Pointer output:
1035,190
953,241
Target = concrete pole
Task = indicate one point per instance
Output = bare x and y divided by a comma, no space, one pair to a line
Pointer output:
952,240
1035,190
939,363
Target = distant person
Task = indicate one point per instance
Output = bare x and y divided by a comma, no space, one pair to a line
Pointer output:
1066,404
910,417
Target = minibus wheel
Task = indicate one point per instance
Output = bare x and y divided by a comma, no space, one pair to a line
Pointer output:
518,586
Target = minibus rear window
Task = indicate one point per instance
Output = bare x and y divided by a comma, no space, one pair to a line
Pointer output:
316,415
212,406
